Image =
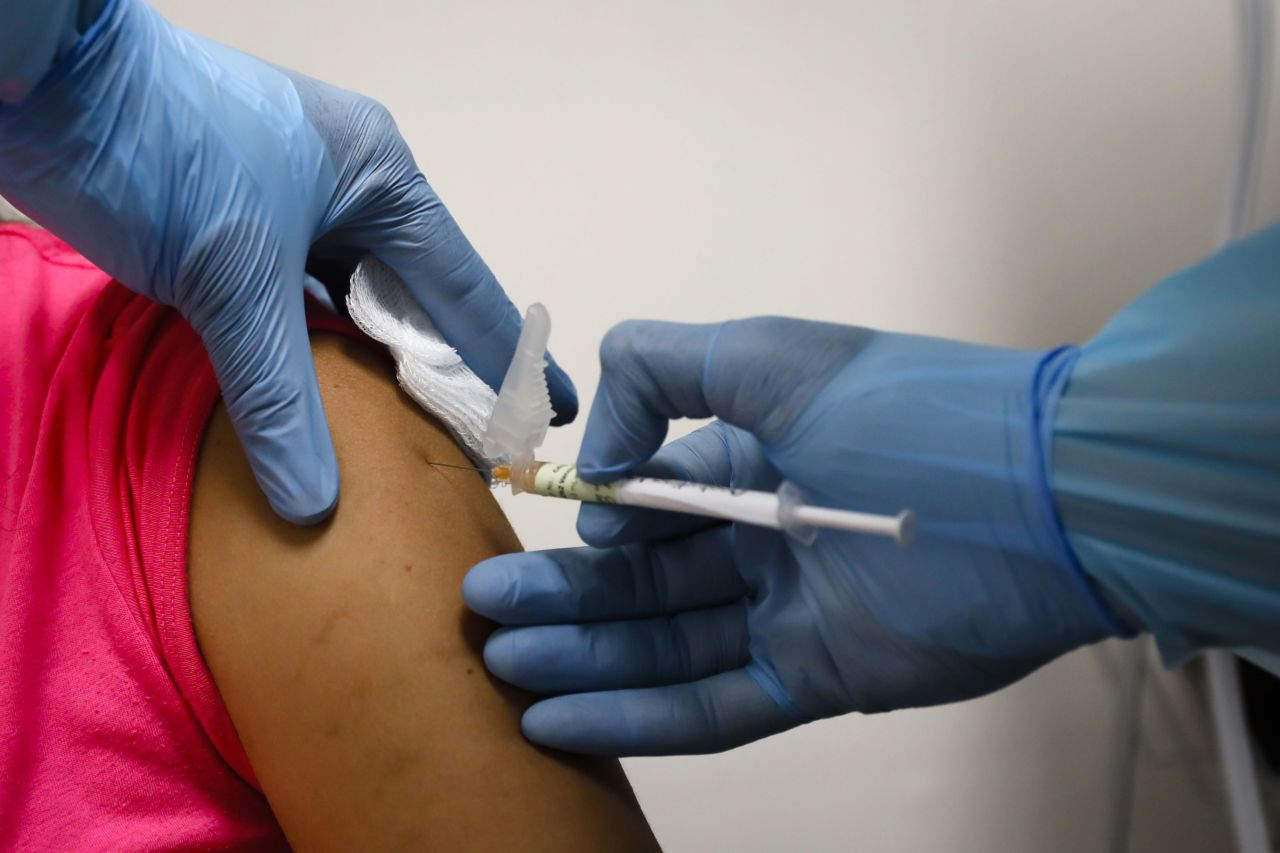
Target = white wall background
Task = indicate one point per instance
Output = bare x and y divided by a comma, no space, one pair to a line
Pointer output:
998,171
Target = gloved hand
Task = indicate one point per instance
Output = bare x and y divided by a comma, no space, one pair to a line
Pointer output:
201,177
699,636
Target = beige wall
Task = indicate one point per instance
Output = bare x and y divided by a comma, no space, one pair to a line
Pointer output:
1000,171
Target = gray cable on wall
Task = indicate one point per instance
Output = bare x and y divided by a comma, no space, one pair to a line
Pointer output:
1232,736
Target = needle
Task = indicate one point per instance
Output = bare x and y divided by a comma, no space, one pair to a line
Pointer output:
459,467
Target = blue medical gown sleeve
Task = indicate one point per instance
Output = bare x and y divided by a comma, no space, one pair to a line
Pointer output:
1166,456
34,35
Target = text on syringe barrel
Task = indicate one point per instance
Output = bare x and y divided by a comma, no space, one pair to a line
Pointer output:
562,481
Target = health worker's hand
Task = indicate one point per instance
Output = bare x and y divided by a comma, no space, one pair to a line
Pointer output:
201,177
680,635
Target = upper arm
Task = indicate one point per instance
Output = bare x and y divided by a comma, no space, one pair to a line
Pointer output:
347,660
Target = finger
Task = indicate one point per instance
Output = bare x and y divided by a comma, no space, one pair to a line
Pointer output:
710,715
615,655
717,454
590,585
257,341
754,374
424,245
384,205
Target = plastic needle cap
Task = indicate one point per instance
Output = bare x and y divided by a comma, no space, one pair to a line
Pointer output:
523,410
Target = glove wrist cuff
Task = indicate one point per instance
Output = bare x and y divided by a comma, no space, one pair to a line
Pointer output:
1047,386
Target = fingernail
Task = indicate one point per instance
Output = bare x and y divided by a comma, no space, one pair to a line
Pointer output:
599,524
497,654
482,589
594,472
310,503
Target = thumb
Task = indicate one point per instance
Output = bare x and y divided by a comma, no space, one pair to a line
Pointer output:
756,374
716,455
261,353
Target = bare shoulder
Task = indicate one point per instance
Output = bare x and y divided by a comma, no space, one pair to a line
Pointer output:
346,657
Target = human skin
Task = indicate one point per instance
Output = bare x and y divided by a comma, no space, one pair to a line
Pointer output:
348,662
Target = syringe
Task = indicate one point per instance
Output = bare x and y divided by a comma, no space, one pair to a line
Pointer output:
781,510
519,423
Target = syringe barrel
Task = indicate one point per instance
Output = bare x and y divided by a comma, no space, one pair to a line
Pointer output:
553,479
556,480
749,507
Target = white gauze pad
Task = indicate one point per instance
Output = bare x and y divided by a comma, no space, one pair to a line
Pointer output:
427,368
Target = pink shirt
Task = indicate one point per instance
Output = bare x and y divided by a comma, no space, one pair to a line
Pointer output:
112,733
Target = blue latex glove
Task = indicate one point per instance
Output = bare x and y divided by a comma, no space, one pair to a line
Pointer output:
200,177
700,636
35,36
